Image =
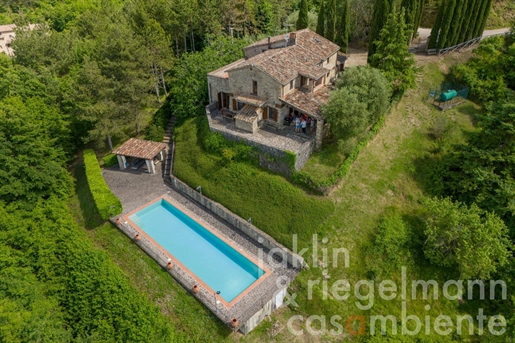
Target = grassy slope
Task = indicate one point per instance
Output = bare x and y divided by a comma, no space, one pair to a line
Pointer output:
384,175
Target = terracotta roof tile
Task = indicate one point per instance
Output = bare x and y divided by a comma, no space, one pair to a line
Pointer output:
309,103
140,148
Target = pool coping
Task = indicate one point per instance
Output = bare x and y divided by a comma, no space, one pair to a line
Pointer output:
206,226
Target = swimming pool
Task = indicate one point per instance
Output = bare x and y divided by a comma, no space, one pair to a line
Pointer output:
209,258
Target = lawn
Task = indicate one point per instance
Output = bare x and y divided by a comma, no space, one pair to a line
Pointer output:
388,176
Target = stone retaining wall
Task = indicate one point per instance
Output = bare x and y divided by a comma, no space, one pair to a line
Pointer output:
251,231
270,157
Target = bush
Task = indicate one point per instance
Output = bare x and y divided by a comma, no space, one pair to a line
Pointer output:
107,203
110,160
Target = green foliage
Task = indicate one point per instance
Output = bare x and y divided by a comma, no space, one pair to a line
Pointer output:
458,21
482,172
245,189
321,19
391,54
109,160
189,91
78,291
343,26
361,97
302,22
474,241
290,158
485,73
392,245
381,10
330,27
306,180
31,150
108,205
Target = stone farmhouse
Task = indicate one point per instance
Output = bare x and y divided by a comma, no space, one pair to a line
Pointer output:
284,75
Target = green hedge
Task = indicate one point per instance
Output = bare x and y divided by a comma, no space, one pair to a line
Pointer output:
109,160
107,203
306,180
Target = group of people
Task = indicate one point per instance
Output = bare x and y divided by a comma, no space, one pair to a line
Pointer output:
300,122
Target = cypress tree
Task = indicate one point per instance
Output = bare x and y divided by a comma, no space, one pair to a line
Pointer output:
302,22
474,9
330,30
446,24
466,20
435,31
321,19
343,32
453,30
381,10
456,25
483,16
418,16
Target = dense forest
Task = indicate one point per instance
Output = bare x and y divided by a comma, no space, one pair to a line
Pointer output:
96,72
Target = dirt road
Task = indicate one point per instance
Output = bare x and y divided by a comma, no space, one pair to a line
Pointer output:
358,57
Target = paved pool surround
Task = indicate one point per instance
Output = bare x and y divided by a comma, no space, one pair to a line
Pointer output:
181,256
135,190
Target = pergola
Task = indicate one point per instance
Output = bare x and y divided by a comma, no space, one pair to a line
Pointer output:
139,148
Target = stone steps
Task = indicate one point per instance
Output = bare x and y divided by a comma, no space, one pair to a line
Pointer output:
167,139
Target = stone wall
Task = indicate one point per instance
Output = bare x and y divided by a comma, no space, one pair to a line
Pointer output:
240,82
268,243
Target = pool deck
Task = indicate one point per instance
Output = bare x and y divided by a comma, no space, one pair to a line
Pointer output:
136,189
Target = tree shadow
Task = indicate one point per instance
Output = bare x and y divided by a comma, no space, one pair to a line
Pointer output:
88,208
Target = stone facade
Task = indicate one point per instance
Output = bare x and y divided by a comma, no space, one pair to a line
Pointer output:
280,76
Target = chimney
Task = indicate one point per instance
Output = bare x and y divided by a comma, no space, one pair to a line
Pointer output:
291,41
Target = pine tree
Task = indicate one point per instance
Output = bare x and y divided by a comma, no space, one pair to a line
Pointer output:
321,19
302,22
343,32
330,31
381,10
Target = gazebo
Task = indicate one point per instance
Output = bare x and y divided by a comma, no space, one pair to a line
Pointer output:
139,148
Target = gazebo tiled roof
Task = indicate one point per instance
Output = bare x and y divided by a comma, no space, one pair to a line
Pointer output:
140,148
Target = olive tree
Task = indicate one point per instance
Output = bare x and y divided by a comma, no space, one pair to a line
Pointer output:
361,96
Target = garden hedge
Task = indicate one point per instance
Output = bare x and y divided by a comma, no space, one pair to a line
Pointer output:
108,205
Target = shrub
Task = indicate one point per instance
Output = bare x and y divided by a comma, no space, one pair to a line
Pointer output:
107,203
110,160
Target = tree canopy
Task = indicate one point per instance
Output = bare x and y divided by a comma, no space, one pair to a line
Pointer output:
362,95
474,241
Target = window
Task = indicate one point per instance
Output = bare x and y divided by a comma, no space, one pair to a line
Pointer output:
328,60
240,105
254,87
291,84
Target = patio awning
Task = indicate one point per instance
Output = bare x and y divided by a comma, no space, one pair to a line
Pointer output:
140,148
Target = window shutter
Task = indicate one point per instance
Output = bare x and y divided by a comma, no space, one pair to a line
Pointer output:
234,105
219,101
275,114
265,113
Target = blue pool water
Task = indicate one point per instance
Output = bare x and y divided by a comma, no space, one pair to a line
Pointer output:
212,260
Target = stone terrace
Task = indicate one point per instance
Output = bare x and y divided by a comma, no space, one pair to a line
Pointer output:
268,139
137,189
